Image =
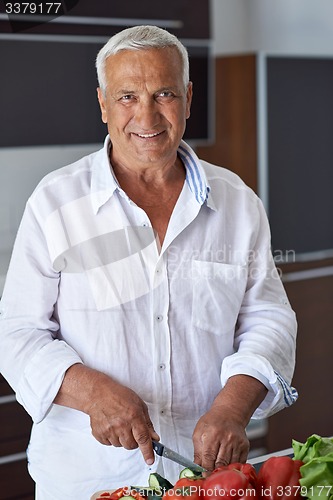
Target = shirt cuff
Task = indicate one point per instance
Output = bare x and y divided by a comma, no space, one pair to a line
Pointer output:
43,377
280,394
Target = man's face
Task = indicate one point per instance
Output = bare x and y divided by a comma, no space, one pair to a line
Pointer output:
145,106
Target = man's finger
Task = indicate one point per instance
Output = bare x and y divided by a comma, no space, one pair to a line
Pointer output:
209,453
208,460
240,455
143,437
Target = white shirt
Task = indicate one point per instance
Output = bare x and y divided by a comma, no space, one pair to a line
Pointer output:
88,283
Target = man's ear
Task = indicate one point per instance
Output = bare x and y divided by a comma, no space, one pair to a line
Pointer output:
189,95
101,100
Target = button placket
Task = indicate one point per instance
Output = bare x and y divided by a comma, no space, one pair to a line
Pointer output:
162,336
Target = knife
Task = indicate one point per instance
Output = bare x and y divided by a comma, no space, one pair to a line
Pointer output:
164,451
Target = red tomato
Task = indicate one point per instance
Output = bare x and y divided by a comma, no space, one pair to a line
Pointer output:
170,495
279,476
247,469
191,488
226,484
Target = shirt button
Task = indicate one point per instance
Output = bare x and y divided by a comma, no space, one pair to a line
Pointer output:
145,224
159,318
161,366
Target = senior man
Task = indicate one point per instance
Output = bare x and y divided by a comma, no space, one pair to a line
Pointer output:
142,300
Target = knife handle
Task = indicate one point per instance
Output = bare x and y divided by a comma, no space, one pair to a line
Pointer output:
158,448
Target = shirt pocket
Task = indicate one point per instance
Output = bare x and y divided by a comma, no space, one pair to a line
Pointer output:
218,291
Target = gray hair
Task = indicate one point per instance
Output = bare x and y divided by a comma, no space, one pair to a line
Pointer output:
140,38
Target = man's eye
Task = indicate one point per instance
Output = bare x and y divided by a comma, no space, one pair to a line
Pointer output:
127,97
166,93
165,96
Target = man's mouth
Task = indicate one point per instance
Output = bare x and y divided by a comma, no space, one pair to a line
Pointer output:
148,136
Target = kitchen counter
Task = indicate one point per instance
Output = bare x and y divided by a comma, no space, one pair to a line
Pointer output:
258,461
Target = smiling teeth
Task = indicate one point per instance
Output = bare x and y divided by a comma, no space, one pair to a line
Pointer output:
147,136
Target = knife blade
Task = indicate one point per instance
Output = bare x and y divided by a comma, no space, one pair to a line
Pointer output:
163,451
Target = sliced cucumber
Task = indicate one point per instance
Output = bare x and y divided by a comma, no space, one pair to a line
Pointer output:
189,473
159,483
149,492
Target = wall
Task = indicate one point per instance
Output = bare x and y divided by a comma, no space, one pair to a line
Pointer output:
260,28
276,26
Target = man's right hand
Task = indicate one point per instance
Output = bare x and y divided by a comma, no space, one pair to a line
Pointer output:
118,416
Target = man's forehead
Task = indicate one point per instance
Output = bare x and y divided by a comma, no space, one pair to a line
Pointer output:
135,66
126,55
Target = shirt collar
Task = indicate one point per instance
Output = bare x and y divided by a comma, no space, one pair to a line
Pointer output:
104,183
195,175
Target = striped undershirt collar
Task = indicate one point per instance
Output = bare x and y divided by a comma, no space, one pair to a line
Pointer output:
195,176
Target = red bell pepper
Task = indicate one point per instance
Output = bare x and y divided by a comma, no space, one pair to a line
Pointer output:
278,479
120,493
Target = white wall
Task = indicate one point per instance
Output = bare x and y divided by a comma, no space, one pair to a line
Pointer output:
276,26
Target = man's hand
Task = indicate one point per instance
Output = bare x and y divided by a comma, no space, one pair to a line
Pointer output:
219,437
118,416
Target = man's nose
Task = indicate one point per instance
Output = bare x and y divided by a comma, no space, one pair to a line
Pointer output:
147,114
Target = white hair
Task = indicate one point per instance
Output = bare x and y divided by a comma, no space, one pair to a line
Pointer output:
140,38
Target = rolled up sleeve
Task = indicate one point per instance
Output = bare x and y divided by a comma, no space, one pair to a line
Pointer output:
265,339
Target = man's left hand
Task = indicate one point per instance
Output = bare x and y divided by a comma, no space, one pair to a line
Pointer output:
219,440
219,437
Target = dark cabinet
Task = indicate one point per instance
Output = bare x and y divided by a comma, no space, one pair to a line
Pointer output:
310,292
58,60
15,426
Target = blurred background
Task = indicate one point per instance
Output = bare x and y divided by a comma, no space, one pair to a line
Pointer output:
263,107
